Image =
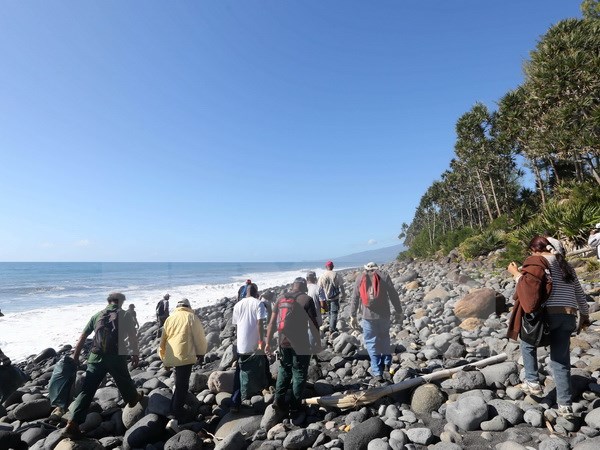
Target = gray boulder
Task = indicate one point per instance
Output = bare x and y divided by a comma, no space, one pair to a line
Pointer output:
465,381
593,418
301,438
242,423
159,402
554,443
234,441
504,408
426,399
358,438
148,429
35,409
422,436
184,440
81,444
499,373
467,413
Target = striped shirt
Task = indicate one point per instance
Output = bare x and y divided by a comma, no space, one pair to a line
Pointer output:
563,293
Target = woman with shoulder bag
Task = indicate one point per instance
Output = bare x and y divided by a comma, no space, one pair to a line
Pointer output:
562,305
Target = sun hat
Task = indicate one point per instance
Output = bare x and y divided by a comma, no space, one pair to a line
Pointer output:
556,245
371,266
183,302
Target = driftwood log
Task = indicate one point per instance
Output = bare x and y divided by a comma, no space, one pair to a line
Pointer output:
360,398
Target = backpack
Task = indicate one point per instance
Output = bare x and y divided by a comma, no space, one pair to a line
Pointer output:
106,333
532,290
288,311
370,288
331,290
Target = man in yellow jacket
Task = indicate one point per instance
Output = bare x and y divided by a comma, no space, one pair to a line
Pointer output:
181,344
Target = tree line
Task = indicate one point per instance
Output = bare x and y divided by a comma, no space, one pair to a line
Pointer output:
549,124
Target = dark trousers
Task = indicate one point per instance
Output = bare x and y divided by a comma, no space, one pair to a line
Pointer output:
182,384
116,365
292,371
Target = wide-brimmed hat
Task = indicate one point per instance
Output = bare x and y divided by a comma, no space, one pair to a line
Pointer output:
371,266
183,302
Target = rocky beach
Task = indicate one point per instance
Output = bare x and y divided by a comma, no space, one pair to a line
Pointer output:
455,313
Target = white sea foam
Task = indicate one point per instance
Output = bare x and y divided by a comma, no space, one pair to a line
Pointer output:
29,332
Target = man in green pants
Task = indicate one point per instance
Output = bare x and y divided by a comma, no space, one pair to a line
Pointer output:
294,317
115,338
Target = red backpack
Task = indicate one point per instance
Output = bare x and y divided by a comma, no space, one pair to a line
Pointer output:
369,288
287,311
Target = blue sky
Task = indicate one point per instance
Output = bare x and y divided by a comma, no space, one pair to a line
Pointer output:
238,130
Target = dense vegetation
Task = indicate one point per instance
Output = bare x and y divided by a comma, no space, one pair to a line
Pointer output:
550,125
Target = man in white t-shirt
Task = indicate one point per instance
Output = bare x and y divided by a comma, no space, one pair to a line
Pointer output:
249,315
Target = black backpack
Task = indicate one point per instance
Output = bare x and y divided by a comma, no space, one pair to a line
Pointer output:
106,333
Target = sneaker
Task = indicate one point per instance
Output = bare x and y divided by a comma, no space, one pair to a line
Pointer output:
173,425
532,388
566,412
72,431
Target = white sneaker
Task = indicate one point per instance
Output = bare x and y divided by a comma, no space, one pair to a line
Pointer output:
565,411
532,388
173,425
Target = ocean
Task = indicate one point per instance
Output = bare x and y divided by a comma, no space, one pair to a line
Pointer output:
48,304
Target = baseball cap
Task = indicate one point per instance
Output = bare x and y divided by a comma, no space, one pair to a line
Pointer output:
184,302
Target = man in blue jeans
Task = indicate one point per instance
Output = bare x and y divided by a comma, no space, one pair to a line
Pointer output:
374,291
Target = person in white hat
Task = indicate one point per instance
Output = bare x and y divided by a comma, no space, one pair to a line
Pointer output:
374,291
594,239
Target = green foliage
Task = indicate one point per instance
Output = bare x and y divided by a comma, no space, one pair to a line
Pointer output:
453,239
570,220
592,264
515,250
590,9
482,244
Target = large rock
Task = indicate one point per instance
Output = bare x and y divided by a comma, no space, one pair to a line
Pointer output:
358,438
465,381
198,382
589,444
499,373
301,438
437,292
132,414
426,399
593,418
467,413
270,418
80,444
233,423
234,441
479,303
147,430
32,410
228,358
220,381
159,402
471,324
44,355
184,440
506,409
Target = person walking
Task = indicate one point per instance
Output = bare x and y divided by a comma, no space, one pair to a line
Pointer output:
564,302
331,291
374,291
313,292
182,344
293,317
133,314
249,315
594,239
115,338
162,310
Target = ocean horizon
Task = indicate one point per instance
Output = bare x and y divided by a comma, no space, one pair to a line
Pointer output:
47,304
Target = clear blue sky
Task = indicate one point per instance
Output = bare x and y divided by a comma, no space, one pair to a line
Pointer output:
238,130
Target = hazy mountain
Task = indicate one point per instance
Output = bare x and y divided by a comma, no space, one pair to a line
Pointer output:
380,255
